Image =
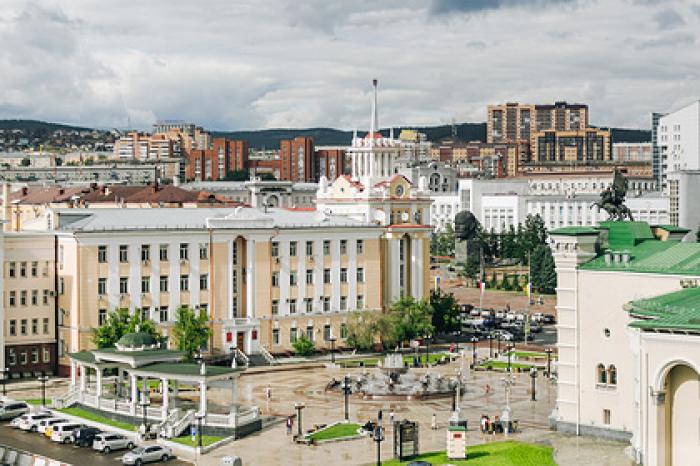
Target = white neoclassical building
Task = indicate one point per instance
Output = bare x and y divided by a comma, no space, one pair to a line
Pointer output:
628,328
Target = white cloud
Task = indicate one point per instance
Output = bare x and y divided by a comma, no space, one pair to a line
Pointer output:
247,64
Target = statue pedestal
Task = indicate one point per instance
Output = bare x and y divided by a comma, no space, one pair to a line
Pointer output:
461,251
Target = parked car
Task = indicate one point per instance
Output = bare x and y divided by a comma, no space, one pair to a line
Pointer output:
549,319
16,421
29,422
500,314
51,421
476,312
84,436
147,454
535,328
13,409
107,442
537,317
63,433
504,335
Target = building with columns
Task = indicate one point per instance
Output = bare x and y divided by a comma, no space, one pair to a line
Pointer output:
628,306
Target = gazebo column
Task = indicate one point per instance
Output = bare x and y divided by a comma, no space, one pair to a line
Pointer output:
98,372
82,378
132,408
166,397
73,374
176,393
203,397
120,381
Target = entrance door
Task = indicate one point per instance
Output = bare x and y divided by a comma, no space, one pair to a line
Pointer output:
240,341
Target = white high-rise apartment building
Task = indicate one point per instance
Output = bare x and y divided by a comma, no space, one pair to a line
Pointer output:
679,141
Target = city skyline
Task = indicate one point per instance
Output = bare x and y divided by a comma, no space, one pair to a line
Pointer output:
286,65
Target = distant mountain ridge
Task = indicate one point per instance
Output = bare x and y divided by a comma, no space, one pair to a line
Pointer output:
270,138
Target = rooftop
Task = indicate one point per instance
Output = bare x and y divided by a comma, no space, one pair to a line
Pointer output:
679,310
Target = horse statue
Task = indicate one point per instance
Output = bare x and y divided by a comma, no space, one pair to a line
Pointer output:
612,199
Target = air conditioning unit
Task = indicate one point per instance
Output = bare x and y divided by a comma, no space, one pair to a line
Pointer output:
183,261
277,260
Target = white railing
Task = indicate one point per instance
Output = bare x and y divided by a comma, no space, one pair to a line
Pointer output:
247,416
237,353
90,400
178,427
108,404
66,400
267,355
152,413
122,407
217,419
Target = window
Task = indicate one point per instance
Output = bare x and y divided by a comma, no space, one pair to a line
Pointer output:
360,275
13,357
343,303
275,279
310,333
123,253
343,331
326,275
163,252
275,307
309,277
13,327
123,285
602,374
326,332
11,269
23,297
309,248
292,278
35,326
102,253
23,358
204,282
145,253
326,304
184,251
343,275
292,306
101,317
360,246
326,247
145,313
35,355
204,251
47,355
343,246
163,283
145,284
309,305
292,335
46,326
612,374
184,282
292,248
275,336
35,297
360,302
275,249
45,297
35,269
163,314
203,308
13,299
23,269
607,417
23,326
101,286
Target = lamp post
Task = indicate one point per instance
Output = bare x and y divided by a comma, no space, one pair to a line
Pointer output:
200,418
509,348
474,342
548,350
5,372
427,351
299,407
145,403
498,338
379,438
533,376
346,394
332,340
490,337
43,378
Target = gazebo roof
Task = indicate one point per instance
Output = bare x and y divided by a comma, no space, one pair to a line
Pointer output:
137,341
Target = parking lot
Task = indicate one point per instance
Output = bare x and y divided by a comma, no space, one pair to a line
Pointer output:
37,443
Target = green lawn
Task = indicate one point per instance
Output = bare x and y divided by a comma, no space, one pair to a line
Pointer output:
79,412
492,454
503,365
407,359
37,401
206,440
337,431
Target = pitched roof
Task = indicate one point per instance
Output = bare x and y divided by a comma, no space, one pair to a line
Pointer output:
679,310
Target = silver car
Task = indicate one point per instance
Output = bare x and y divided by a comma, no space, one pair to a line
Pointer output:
52,421
12,409
147,454
107,442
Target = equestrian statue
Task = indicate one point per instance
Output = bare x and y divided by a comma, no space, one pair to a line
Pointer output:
612,199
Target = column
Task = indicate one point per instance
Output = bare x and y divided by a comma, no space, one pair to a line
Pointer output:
415,269
73,374
394,265
120,381
98,372
176,393
82,378
166,397
250,278
203,397
132,380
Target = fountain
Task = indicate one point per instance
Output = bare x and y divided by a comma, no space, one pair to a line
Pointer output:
392,379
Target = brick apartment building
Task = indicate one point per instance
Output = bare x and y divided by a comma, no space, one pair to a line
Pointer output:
331,162
297,159
225,155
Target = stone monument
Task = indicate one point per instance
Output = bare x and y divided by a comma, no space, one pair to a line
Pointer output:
466,228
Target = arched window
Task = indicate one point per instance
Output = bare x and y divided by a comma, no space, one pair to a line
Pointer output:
612,374
602,374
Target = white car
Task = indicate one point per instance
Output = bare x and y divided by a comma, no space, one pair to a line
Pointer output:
29,422
107,442
505,336
537,317
500,315
63,433
12,409
44,423
147,454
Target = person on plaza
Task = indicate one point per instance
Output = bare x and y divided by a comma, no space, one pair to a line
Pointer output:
498,427
391,417
452,347
290,424
268,393
433,422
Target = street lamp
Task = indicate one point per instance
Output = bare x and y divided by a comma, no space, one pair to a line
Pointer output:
490,337
549,350
498,338
427,350
533,376
299,407
332,340
379,438
43,378
145,403
346,393
474,342
200,418
5,372
509,348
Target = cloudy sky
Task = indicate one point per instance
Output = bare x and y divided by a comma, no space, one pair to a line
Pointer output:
239,64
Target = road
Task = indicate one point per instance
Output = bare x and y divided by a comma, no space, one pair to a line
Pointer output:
37,443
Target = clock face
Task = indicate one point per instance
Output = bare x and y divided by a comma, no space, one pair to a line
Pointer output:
399,191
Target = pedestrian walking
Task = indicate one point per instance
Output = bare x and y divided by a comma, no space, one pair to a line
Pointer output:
433,422
391,417
268,393
290,425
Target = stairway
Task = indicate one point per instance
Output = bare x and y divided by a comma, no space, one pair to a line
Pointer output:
257,360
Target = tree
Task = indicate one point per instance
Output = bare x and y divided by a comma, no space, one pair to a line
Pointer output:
697,235
267,177
470,268
534,234
411,319
303,346
509,246
119,323
445,311
542,271
443,243
237,175
191,331
26,162
361,330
